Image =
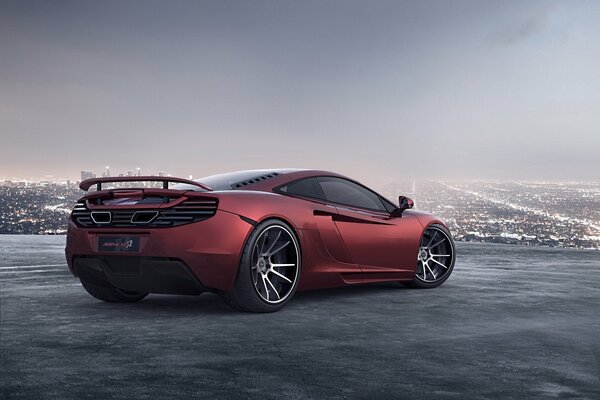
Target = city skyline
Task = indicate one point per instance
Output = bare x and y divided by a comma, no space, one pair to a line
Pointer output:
36,177
554,215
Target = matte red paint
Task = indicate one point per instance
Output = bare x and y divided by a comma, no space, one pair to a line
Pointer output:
339,245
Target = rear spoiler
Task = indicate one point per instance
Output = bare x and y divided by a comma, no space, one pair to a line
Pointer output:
88,183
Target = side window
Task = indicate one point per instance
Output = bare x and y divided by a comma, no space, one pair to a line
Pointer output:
308,187
342,191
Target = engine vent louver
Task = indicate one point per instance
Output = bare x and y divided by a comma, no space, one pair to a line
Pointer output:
247,182
189,211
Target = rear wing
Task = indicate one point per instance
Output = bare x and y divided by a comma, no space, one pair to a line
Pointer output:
88,183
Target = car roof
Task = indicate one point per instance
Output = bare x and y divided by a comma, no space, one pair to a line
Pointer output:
259,179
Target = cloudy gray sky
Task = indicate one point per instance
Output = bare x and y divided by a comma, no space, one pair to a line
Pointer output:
425,89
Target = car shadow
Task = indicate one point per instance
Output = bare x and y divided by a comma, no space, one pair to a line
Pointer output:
365,290
210,303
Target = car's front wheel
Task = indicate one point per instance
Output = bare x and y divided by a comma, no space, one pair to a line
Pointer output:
435,260
269,269
112,294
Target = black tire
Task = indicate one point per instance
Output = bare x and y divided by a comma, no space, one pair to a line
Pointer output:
245,296
447,248
112,294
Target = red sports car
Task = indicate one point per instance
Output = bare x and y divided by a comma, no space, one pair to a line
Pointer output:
255,237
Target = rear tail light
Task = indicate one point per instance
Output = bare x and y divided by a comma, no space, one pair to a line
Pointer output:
188,211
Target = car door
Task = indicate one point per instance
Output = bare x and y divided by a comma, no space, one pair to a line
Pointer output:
324,214
384,247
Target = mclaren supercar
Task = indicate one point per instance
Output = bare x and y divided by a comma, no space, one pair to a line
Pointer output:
255,237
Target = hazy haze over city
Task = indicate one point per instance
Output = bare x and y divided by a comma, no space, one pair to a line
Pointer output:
424,90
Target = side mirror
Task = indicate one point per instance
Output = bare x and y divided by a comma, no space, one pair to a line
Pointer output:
404,203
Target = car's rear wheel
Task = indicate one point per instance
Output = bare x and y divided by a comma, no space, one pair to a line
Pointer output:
269,269
435,260
112,294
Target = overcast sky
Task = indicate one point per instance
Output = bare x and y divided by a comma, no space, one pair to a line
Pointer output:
419,89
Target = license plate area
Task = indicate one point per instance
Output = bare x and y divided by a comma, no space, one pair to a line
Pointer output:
119,244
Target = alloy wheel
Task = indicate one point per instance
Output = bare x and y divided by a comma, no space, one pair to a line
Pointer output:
275,262
435,256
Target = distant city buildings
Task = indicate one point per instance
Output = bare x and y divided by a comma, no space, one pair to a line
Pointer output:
541,214
107,173
87,175
38,208
545,214
83,175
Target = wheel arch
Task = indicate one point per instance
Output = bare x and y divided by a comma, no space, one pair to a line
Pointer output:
239,296
427,220
287,221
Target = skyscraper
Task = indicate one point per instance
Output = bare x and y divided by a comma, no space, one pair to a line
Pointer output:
87,175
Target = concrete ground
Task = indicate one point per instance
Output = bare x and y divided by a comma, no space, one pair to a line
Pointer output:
511,322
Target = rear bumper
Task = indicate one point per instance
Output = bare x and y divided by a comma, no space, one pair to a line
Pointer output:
139,274
209,250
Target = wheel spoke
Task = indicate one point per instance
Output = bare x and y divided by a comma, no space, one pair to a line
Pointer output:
282,265
265,285
255,250
431,240
437,262
273,244
278,249
264,239
275,290
440,255
430,271
256,278
281,275
438,243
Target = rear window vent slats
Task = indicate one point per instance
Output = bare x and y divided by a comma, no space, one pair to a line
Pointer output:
254,180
